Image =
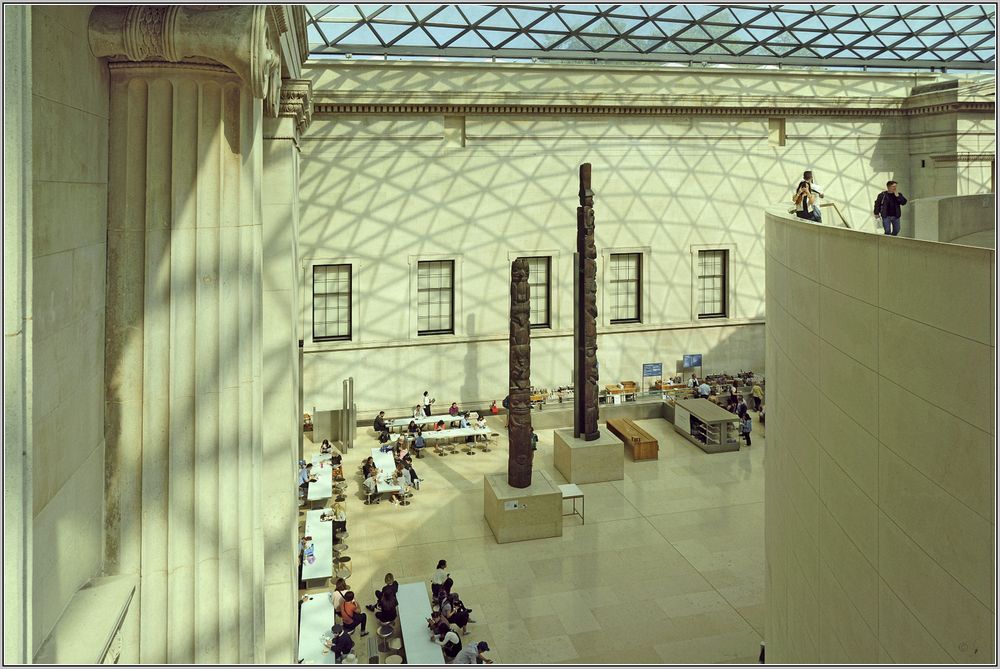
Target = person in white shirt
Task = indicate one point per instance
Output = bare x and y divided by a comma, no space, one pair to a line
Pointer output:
449,641
337,596
441,579
418,411
704,390
817,190
426,401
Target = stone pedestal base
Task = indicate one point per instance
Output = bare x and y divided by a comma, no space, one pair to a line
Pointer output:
519,514
589,461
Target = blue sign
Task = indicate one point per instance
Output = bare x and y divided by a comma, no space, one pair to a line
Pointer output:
692,360
652,369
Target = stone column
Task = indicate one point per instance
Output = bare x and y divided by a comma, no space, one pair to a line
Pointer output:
184,323
282,418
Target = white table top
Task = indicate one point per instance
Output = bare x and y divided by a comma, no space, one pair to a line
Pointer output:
570,490
457,432
405,422
314,626
322,534
414,609
387,464
322,487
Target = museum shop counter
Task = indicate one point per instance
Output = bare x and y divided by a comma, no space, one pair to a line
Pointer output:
708,426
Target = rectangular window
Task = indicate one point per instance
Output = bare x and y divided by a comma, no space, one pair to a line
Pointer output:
331,302
435,297
539,287
626,280
712,275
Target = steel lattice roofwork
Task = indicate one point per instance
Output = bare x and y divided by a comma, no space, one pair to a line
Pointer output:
901,36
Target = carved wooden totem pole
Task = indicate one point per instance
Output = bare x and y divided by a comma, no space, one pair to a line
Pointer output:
519,409
585,315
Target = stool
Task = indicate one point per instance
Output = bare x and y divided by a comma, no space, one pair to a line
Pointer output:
384,632
396,646
342,563
340,498
339,548
393,659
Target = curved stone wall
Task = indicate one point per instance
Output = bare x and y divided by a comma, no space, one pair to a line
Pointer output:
880,489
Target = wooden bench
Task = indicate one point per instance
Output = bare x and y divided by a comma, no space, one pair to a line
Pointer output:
640,444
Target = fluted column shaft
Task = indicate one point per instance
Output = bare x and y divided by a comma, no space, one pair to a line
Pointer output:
184,359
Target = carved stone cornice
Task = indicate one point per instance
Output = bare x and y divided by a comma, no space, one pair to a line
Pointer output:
238,37
296,101
323,108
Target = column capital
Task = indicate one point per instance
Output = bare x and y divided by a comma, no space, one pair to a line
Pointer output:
296,102
239,37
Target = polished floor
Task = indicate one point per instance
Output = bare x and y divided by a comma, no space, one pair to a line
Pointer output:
669,567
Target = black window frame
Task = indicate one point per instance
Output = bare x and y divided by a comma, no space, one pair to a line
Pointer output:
548,293
350,303
451,291
638,288
724,287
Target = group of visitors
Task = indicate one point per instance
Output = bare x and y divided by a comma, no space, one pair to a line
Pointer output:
734,401
886,210
404,476
452,613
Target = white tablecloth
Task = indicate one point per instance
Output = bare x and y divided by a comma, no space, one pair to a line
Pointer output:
314,626
322,487
414,610
322,534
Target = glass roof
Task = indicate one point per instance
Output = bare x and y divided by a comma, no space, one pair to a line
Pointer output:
908,36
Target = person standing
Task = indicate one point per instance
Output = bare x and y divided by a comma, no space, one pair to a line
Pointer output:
746,425
427,401
758,396
887,207
704,390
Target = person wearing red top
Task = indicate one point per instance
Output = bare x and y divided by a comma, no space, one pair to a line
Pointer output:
351,616
494,409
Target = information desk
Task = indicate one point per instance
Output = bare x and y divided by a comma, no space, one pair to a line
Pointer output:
316,619
322,534
414,608
708,426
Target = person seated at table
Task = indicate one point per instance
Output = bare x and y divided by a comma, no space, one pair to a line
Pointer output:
453,409
368,467
379,424
387,604
704,390
351,616
402,452
418,443
410,475
456,613
494,409
463,421
339,642
339,517
371,488
441,580
326,446
438,426
450,642
383,436
412,427
418,411
340,588
396,479
304,478
390,588
481,424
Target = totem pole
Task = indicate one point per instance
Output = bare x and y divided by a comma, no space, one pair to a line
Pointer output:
519,403
585,315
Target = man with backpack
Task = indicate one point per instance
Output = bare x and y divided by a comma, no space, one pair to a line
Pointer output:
887,207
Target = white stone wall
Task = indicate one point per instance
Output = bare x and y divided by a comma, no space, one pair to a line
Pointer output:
70,152
381,191
880,492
